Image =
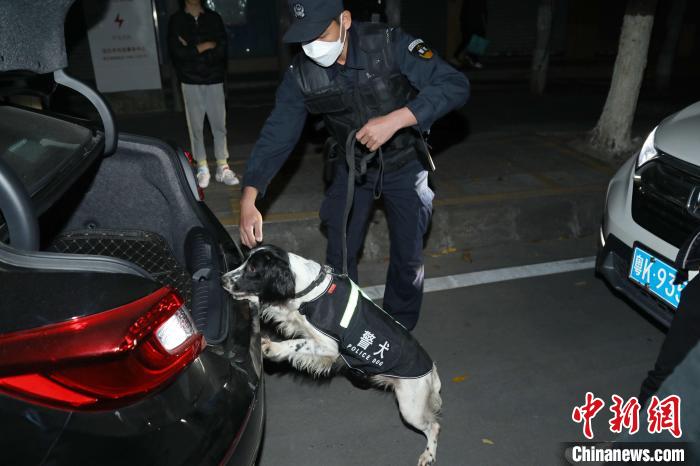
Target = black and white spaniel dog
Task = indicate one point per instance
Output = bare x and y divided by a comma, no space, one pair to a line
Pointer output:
327,318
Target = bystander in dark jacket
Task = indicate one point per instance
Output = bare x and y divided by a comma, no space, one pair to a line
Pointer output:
191,66
197,43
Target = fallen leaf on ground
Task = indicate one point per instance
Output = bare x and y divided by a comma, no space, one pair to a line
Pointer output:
459,378
487,441
444,252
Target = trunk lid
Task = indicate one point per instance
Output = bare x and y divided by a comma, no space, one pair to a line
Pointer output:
30,40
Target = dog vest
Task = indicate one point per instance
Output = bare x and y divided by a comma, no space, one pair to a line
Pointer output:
369,339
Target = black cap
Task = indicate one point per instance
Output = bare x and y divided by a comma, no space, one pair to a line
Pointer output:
310,18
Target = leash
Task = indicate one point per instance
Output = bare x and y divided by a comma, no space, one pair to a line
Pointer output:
360,171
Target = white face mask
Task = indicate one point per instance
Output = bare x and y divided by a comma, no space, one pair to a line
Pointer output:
326,53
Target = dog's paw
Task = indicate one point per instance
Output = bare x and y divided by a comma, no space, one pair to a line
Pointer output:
271,349
426,459
266,346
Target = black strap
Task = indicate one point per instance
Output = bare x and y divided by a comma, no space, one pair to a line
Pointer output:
688,257
350,195
325,270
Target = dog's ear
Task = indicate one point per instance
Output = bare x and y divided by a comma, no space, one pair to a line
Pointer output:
245,250
278,281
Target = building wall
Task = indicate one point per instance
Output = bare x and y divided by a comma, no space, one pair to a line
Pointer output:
511,26
79,60
582,30
426,20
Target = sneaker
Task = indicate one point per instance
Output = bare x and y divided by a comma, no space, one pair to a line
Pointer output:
203,177
226,176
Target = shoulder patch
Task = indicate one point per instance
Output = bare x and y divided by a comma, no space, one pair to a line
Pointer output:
420,49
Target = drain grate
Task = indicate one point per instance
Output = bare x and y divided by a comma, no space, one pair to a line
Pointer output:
148,250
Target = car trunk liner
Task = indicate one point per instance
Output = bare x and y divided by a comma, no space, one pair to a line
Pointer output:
146,249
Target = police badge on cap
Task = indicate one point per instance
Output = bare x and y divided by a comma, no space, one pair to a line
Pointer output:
310,18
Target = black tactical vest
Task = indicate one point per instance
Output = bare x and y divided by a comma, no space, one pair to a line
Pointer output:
381,89
370,340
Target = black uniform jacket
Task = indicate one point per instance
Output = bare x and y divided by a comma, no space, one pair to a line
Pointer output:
440,88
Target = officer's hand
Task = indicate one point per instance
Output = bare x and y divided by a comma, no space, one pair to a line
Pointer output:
377,131
204,46
251,222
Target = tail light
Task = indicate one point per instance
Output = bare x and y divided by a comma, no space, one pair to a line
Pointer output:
101,361
188,154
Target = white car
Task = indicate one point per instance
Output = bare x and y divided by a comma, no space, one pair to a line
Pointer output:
652,209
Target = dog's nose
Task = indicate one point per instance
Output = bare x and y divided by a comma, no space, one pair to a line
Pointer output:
228,281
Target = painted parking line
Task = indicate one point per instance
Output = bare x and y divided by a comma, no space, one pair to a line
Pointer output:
484,277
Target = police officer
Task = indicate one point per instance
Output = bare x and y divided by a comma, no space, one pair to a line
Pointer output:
388,87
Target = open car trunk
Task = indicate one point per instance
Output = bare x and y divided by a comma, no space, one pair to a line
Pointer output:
92,226
135,206
81,188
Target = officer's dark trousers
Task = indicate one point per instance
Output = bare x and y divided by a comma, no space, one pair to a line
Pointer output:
408,204
682,336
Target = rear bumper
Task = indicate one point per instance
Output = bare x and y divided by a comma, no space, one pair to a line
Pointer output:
210,415
613,264
244,448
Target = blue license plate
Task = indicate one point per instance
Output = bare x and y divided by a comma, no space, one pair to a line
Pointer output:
656,276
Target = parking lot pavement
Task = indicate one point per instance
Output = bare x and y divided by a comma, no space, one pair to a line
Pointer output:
514,357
